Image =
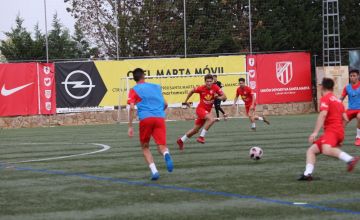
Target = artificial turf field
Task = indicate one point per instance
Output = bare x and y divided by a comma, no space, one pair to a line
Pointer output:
216,180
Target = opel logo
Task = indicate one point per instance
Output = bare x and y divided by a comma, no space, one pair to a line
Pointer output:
78,84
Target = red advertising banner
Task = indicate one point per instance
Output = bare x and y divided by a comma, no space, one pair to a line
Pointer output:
46,76
19,86
283,77
20,89
252,73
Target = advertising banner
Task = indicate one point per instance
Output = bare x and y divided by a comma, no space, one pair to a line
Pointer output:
252,71
175,88
46,76
19,89
78,84
283,78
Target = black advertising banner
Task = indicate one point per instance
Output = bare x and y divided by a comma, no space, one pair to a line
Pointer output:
78,84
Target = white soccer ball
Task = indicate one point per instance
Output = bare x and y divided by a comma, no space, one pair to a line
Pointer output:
256,153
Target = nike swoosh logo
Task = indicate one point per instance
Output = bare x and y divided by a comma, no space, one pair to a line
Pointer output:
7,92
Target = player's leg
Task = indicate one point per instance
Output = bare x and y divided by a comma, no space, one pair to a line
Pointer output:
330,151
217,109
159,135
261,118
251,114
209,121
198,124
311,153
145,131
222,111
357,139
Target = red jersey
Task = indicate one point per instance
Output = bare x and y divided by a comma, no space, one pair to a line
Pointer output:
356,86
207,96
246,94
335,109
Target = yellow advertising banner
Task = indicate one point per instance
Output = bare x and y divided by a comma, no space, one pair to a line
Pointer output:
177,76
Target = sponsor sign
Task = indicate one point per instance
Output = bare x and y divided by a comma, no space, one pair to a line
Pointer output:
78,84
174,89
23,89
283,78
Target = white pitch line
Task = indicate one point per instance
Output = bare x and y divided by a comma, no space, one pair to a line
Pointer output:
299,203
104,148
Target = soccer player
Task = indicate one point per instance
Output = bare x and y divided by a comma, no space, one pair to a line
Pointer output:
217,102
208,93
151,107
248,97
352,90
331,116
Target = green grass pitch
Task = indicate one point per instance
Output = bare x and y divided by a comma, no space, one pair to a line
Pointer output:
216,180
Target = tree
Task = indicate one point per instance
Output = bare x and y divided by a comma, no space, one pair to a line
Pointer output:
61,46
19,43
82,47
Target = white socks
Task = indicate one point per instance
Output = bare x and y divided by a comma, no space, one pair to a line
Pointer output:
184,138
166,152
357,133
153,168
345,157
253,125
203,133
309,169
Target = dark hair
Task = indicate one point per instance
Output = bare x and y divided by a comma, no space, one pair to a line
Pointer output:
214,76
138,74
241,80
327,84
208,76
354,71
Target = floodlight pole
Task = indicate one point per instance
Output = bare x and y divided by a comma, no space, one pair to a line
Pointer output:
250,34
185,43
46,35
117,29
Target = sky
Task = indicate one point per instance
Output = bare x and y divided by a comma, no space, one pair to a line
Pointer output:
32,11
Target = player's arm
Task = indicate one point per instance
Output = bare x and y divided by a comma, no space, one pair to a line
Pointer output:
132,100
189,96
253,101
165,104
131,118
319,123
235,99
343,95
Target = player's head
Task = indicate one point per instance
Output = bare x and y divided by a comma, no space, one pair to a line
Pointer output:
242,82
327,84
215,78
354,76
209,79
138,74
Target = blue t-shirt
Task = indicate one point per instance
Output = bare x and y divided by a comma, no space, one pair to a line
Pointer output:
354,97
148,99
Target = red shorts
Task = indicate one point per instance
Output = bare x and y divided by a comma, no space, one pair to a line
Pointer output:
351,114
247,108
333,139
201,114
154,127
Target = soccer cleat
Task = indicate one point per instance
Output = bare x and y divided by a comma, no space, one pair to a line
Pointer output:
180,143
253,128
352,164
357,142
169,163
155,176
266,121
305,178
217,119
201,140
225,117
